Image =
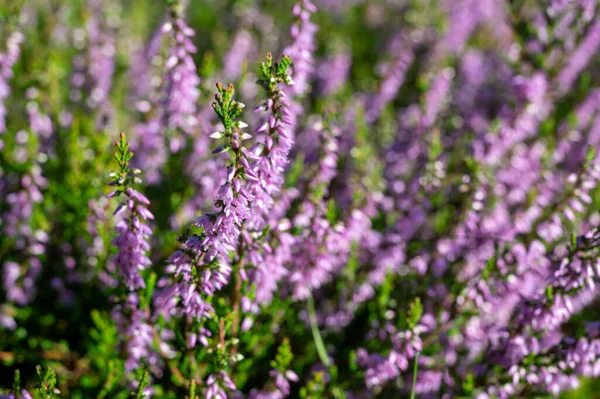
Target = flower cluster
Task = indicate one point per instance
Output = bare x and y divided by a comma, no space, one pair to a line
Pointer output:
201,266
131,260
7,60
132,230
181,83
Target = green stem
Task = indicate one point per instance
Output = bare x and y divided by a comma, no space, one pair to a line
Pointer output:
320,345
414,384
316,333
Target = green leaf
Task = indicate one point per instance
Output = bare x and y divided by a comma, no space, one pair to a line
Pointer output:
142,384
415,312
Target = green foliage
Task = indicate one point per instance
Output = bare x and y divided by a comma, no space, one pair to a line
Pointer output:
17,383
415,312
192,393
274,73
284,357
47,383
315,388
142,383
226,108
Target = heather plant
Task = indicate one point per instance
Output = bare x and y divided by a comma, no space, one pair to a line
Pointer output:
407,206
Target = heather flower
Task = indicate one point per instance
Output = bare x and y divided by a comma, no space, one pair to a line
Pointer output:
201,266
143,73
579,59
7,61
172,104
317,259
238,54
270,166
277,140
138,335
23,394
150,147
19,274
94,69
216,385
132,230
333,72
281,375
394,75
131,259
406,345
40,123
464,16
302,48
436,95
94,245
181,83
101,56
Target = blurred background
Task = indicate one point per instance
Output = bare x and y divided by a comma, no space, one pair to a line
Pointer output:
75,73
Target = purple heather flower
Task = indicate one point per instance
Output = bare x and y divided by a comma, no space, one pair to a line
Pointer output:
333,72
580,58
173,105
95,248
132,238
303,46
149,146
217,385
101,56
394,75
321,250
131,260
19,275
138,335
436,95
7,61
181,84
272,156
237,55
19,281
94,68
40,123
23,395
281,389
208,253
143,75
463,18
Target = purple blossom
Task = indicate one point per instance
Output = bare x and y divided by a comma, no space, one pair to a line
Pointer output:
217,384
95,67
333,72
208,253
238,54
282,386
394,75
138,335
579,59
7,61
23,394
181,83
320,247
303,46
132,238
19,274
436,95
